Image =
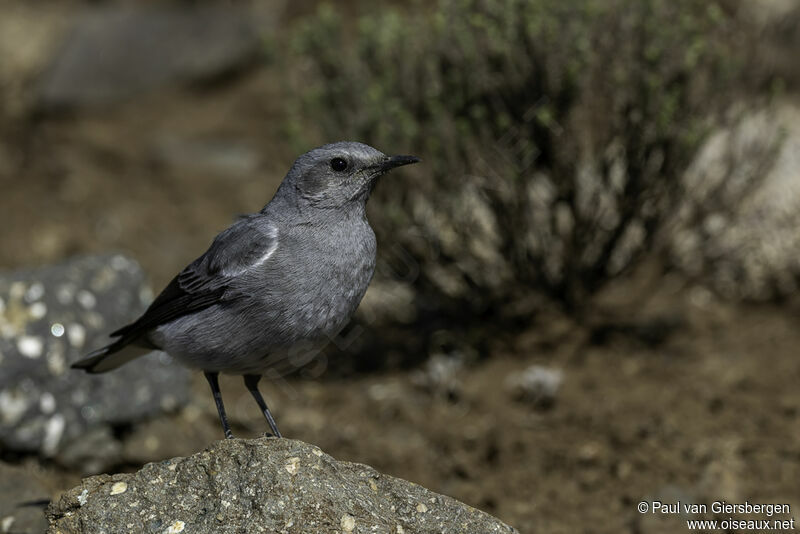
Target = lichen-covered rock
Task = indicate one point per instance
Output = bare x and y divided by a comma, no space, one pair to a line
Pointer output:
263,485
49,318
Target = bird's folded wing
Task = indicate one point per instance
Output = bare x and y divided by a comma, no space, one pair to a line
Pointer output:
248,243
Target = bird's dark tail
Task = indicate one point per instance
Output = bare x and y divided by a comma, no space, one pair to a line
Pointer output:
110,357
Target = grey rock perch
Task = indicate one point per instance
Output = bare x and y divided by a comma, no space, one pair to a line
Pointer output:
262,485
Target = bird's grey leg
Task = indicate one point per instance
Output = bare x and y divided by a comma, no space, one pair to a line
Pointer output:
251,382
214,383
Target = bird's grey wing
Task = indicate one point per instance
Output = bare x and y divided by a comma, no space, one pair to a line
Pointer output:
207,281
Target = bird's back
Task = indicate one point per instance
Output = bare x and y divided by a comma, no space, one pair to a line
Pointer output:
288,306
289,276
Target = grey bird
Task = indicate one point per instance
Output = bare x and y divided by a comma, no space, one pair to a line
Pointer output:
271,286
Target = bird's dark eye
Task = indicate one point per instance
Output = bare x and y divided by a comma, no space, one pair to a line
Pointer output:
338,164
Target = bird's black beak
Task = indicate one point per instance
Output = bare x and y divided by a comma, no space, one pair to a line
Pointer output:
396,161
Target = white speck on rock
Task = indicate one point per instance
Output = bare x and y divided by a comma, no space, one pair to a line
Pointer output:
83,498
175,527
35,292
30,346
76,334
38,310
6,523
146,296
56,363
65,293
169,403
348,523
400,529
119,487
86,299
17,290
151,443
13,405
89,413
421,508
53,431
291,465
47,403
120,262
7,330
94,320
57,329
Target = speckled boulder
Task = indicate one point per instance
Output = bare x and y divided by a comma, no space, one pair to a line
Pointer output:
263,485
49,318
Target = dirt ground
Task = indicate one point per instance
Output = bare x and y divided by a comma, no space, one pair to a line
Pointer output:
710,412
709,415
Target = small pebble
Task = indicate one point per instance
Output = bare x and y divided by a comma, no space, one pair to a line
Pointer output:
348,523
175,527
291,466
121,487
421,508
537,385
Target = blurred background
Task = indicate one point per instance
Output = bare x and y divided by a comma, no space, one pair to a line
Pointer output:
586,293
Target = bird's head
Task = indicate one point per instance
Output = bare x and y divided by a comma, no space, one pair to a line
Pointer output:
339,174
